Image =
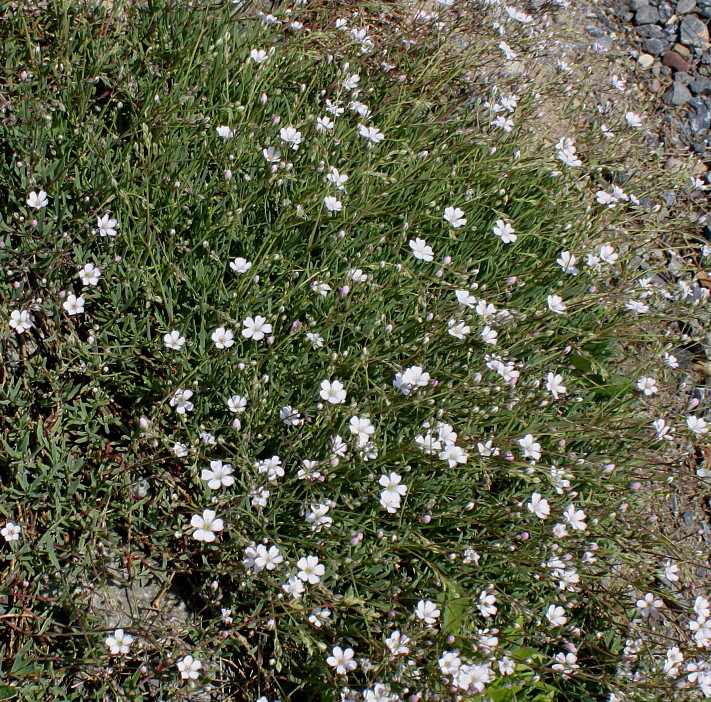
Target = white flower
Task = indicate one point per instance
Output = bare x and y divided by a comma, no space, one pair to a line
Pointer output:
324,124
505,231
453,455
223,338
575,517
457,328
206,525
333,392
271,154
427,611
503,122
320,616
337,178
554,385
290,416
567,262
464,297
489,335
310,570
420,250
74,305
272,467
608,255
259,55
455,217
539,506
90,274
294,587
397,643
333,204
318,286
697,425
649,605
225,132
351,83
662,429
189,668
21,321
237,403
181,401
633,120
37,200
531,448
219,475
394,490
357,275
119,643
240,265
291,136
107,225
556,304
509,53
342,660
566,664
174,341
371,133
556,615
11,532
648,386
180,450
256,328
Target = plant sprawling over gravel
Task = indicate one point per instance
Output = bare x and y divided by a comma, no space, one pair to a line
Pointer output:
303,320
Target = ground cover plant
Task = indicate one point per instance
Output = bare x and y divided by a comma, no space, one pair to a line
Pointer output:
304,324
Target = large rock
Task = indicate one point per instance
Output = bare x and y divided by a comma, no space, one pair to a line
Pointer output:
693,32
655,46
647,14
673,60
683,7
678,94
700,86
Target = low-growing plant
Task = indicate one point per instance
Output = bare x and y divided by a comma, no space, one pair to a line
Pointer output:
307,323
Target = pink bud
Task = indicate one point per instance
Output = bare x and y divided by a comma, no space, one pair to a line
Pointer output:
429,317
524,536
117,259
344,290
296,325
236,424
380,533
434,383
228,174
446,260
263,98
255,279
276,119
15,284
270,340
439,273
512,280
635,486
33,222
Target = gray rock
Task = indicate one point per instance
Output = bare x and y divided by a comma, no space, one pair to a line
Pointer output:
669,198
674,504
700,86
703,8
693,32
650,31
656,47
678,94
683,78
700,118
689,518
594,31
702,572
638,4
647,15
683,7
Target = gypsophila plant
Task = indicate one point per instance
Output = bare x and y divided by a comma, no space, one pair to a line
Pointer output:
306,321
